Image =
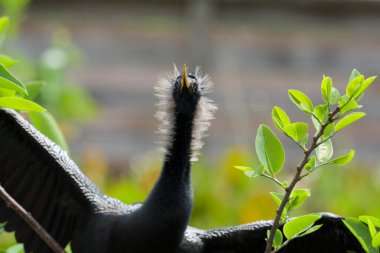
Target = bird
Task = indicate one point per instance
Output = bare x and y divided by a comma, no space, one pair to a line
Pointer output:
48,184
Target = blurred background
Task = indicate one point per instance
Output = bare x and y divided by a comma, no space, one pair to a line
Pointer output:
100,60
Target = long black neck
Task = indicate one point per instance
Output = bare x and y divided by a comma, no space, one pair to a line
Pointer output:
173,188
168,207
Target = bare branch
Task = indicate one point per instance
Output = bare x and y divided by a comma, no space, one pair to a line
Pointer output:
28,218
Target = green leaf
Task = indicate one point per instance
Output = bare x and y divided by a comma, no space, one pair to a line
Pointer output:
299,196
326,87
366,83
346,104
269,150
298,225
278,238
374,220
348,120
355,73
47,125
6,61
296,131
280,118
361,232
311,230
376,240
334,96
277,197
310,164
328,130
34,88
353,86
371,228
20,104
301,100
321,112
249,172
343,159
6,92
9,81
324,151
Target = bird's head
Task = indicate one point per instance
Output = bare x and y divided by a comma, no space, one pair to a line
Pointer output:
185,93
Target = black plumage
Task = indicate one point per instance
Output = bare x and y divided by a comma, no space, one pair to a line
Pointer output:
47,183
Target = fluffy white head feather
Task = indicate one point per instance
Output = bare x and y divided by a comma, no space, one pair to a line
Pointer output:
204,112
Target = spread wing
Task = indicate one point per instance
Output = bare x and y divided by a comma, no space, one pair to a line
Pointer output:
46,182
333,236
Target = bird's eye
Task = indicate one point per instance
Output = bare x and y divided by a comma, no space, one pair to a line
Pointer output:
195,86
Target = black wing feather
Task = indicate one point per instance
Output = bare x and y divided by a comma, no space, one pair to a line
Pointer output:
332,237
41,177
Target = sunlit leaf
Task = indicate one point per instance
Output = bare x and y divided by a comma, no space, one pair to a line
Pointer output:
353,86
251,172
324,151
269,150
361,232
9,81
7,92
279,117
355,73
296,199
299,225
301,100
365,84
328,130
46,124
334,96
277,197
296,131
311,230
348,120
343,159
376,240
374,220
311,164
321,112
326,87
278,238
20,104
346,104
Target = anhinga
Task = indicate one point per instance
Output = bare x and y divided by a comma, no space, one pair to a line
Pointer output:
48,184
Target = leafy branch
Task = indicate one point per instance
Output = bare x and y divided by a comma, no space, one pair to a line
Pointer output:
16,95
328,118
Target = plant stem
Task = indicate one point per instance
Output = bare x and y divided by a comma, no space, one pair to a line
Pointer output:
297,177
28,218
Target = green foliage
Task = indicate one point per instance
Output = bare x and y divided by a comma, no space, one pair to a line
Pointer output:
301,100
269,150
348,120
328,118
362,233
298,226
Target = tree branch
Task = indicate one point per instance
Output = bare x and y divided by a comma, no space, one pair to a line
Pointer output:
297,177
28,218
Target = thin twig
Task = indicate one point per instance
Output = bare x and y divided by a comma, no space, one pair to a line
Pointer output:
273,179
296,178
28,218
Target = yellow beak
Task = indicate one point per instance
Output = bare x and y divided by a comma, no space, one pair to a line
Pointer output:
185,80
